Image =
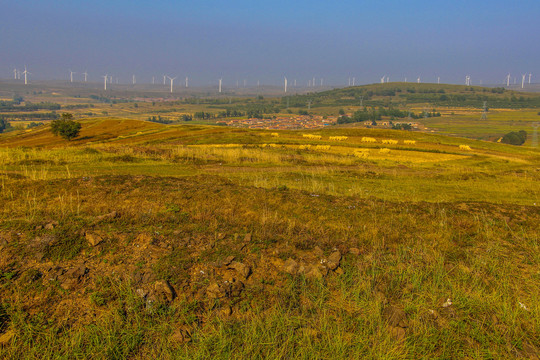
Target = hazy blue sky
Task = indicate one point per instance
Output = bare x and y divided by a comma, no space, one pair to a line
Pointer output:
266,40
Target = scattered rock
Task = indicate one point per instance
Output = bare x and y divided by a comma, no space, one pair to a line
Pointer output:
395,316
6,337
93,239
242,269
72,277
290,266
228,260
141,293
334,260
398,333
235,288
181,335
215,291
354,251
313,272
247,238
226,311
317,251
447,303
51,225
108,216
163,291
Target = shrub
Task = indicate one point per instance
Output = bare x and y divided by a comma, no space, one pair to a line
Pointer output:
515,138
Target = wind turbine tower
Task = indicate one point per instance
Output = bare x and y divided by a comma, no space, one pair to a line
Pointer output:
172,80
25,72
382,79
418,80
220,81
15,73
508,80
85,73
187,82
523,80
353,81
438,79
164,76
285,84
105,78
71,75
530,75
133,79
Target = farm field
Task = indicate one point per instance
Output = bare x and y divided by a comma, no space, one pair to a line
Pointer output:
143,240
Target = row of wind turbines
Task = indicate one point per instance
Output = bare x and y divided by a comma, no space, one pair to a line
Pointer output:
108,79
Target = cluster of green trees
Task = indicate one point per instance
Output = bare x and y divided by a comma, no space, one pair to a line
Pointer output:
231,113
159,119
515,137
28,106
31,116
203,115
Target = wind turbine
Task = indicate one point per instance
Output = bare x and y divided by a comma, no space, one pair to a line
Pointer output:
508,80
530,78
172,80
353,81
418,80
438,79
164,76
220,81
187,82
85,73
153,80
105,78
382,79
523,80
15,73
71,75
133,80
285,84
26,72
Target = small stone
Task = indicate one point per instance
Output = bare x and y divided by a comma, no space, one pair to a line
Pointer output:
354,251
108,216
141,293
214,291
6,337
226,311
51,225
164,291
447,303
291,266
228,260
312,272
247,238
334,260
236,288
181,335
395,316
242,269
77,272
398,333
93,239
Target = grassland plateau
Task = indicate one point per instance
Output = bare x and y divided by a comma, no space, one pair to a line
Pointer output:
143,240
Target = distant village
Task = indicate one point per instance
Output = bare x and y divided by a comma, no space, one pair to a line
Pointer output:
308,122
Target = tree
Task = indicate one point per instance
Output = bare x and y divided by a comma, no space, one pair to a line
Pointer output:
66,127
3,125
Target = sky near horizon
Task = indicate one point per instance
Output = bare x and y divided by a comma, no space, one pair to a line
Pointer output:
267,40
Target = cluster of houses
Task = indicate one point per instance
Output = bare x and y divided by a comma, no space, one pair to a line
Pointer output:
283,123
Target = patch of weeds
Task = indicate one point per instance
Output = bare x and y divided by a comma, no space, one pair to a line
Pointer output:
124,158
172,267
67,245
90,151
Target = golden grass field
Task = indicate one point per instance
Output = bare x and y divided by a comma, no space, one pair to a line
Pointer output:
139,240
